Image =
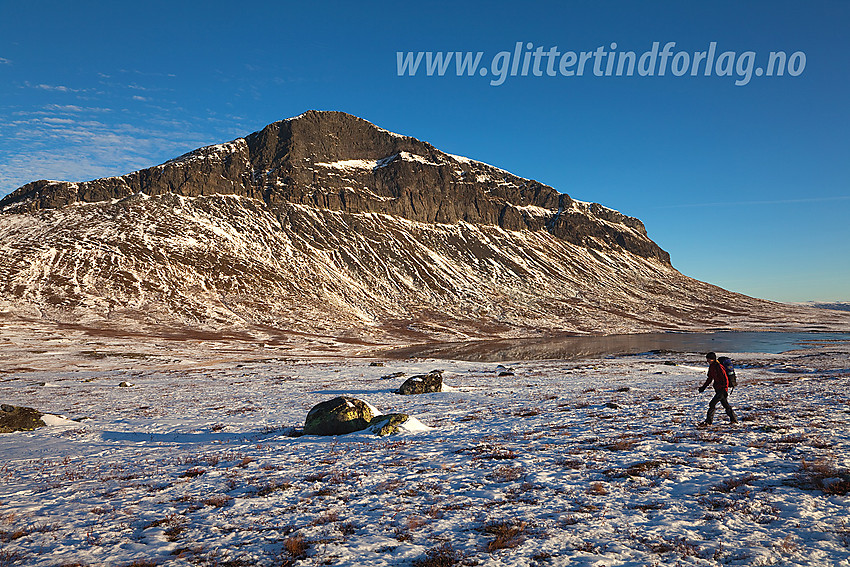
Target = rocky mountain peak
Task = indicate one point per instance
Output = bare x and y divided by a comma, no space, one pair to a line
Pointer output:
336,161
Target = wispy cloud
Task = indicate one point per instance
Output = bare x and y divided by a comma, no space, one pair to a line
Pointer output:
73,108
4,61
755,203
78,143
54,88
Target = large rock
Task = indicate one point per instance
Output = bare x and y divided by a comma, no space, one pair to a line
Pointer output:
423,383
388,424
338,416
17,418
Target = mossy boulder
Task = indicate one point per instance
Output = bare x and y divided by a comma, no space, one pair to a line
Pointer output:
423,383
387,424
18,418
338,416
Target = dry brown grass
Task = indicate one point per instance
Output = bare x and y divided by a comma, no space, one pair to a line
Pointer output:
443,555
571,463
218,500
507,534
649,506
10,558
528,412
296,546
193,472
732,484
506,474
787,545
271,487
388,485
327,518
174,525
823,475
499,454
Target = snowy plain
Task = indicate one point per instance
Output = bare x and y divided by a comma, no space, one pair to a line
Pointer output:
590,462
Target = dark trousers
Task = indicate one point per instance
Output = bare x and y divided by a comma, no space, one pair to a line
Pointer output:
720,396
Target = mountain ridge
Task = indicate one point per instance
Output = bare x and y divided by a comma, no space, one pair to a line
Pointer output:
325,225
300,160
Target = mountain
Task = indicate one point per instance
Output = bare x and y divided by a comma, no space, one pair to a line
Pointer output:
835,305
325,225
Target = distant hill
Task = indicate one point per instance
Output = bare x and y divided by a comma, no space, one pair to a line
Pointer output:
834,305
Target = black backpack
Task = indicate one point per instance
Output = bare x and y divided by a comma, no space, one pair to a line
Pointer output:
730,370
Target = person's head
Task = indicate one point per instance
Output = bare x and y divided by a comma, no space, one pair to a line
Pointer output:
710,357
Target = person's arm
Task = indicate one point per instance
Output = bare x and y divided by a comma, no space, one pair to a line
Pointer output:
707,381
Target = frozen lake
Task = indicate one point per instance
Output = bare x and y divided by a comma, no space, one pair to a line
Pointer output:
571,348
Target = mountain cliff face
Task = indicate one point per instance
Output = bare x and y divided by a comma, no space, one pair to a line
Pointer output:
338,162
325,224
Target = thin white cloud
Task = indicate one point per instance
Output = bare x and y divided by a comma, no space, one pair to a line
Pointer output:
54,88
4,61
140,98
69,144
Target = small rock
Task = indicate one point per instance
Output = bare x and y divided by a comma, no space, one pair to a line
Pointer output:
506,373
17,418
423,383
338,416
612,405
393,375
388,424
376,364
125,384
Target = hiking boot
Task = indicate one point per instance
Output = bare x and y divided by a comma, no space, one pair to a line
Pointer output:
733,421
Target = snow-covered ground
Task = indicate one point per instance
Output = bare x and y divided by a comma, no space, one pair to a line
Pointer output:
595,462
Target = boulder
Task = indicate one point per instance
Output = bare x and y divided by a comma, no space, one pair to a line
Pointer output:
387,424
17,418
338,416
423,383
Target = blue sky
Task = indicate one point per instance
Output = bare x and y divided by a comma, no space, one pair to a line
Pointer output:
747,187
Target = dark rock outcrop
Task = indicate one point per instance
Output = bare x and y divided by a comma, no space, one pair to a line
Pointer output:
19,418
339,416
423,383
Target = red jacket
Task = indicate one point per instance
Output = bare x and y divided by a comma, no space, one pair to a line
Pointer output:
717,374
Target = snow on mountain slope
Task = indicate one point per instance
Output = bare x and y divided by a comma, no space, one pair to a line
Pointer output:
226,260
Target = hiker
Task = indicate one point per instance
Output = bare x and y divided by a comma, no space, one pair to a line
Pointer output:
717,375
